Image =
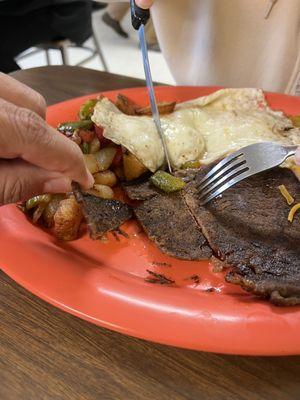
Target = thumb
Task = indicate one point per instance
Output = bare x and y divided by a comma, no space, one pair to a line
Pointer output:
20,181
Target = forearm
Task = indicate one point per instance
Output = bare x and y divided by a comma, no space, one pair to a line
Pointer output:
140,3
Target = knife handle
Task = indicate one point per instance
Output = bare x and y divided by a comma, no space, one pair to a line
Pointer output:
139,15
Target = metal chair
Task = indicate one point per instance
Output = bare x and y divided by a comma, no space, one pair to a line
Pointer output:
63,45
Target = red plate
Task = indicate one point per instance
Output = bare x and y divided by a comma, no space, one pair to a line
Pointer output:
104,282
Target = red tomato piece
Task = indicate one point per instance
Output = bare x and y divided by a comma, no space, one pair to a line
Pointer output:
118,157
99,132
86,136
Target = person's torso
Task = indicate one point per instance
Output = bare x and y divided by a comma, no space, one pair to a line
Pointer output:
231,42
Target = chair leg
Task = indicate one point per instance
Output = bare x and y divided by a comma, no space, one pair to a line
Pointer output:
48,61
64,54
99,52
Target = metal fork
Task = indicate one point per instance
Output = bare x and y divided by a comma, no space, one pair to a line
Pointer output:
245,162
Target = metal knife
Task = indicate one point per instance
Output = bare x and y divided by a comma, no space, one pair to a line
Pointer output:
139,18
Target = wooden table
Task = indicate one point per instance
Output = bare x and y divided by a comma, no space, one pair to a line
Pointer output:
48,354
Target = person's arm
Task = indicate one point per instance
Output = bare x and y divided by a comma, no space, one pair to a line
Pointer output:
34,157
144,3
141,3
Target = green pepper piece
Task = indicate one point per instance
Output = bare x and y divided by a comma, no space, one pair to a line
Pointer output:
36,200
85,147
87,109
70,127
191,164
166,182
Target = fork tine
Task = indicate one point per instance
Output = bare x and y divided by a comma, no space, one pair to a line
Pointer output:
221,164
236,172
229,168
226,186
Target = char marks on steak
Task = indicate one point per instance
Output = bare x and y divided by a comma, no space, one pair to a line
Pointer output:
168,222
140,191
102,215
247,227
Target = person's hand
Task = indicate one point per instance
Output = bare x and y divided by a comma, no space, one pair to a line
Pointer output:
34,158
298,156
144,3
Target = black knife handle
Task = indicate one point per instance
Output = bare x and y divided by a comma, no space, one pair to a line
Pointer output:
139,15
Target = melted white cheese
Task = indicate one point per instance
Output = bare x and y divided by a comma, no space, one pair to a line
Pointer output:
203,129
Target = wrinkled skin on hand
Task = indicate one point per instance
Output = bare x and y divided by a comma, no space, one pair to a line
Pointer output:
34,157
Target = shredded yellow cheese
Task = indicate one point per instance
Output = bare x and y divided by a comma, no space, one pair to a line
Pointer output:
296,170
293,211
285,193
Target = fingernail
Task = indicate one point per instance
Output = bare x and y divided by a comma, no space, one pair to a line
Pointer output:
58,185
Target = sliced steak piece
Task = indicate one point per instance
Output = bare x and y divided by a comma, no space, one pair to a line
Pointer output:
102,215
247,227
140,191
145,190
167,221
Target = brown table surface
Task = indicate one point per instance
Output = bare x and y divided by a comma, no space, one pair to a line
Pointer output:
46,353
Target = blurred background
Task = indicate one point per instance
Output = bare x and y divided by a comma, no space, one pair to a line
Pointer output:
112,46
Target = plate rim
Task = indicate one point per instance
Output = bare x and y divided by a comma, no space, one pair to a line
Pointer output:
103,323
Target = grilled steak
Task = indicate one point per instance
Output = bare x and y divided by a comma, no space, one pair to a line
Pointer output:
102,215
247,227
140,191
145,190
167,222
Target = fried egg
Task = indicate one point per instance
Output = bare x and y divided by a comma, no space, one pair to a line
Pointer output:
204,129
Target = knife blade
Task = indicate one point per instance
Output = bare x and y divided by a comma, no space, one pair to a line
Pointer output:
139,18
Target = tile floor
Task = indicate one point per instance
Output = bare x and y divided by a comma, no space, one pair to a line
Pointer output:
122,55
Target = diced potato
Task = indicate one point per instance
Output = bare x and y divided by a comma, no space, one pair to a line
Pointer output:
163,108
91,163
67,219
133,168
125,105
107,178
103,191
51,208
295,120
94,145
105,157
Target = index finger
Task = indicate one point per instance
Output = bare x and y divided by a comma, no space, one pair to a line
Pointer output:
23,134
21,95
